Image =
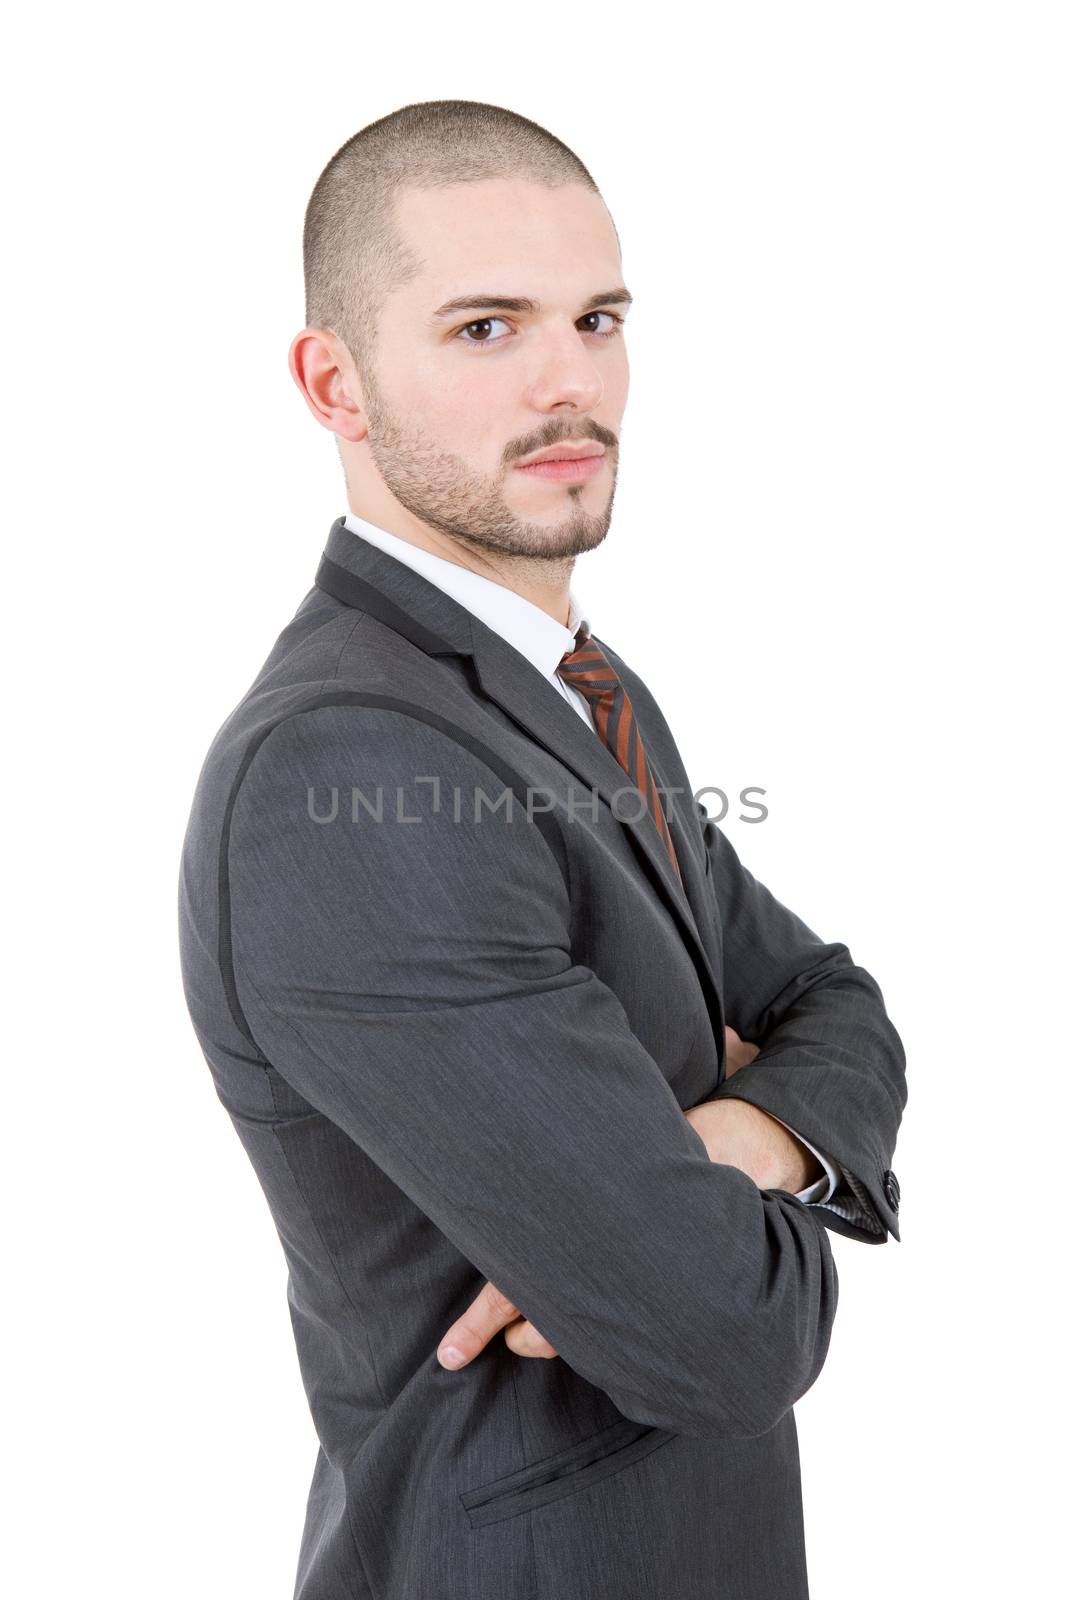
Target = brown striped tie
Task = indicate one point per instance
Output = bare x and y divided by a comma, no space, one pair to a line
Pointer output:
587,668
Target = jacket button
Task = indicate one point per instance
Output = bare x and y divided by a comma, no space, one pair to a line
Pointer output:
892,1189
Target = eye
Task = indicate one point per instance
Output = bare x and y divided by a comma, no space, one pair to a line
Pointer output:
483,322
491,343
616,322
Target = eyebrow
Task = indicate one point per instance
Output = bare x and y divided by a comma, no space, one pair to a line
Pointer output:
522,303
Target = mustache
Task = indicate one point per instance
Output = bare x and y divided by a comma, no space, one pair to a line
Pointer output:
556,434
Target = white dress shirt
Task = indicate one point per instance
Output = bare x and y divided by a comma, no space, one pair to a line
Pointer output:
544,642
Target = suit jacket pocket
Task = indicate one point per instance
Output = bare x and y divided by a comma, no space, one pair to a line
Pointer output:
564,1473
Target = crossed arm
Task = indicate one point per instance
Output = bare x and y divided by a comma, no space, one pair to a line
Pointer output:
833,1062
499,1085
733,1132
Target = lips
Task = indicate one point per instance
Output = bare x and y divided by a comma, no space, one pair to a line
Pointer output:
577,450
571,469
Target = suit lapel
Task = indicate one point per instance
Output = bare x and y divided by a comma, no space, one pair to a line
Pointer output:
361,575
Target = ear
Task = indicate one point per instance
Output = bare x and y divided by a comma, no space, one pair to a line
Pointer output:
322,370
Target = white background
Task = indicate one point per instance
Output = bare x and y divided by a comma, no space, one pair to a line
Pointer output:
835,560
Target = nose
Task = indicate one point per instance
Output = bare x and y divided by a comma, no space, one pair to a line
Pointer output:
566,373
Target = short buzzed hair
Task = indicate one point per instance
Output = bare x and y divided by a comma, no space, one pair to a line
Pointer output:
354,255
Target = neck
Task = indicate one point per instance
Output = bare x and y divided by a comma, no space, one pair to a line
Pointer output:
545,583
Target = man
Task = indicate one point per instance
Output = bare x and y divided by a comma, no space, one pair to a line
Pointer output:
515,1043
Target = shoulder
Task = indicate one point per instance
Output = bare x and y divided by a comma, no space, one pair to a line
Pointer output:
424,782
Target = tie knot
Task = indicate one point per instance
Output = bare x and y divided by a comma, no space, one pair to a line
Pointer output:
587,667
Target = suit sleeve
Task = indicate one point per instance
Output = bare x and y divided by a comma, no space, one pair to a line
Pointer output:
831,1063
413,980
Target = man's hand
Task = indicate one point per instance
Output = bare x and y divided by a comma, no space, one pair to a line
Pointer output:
739,1053
734,1132
485,1316
740,1134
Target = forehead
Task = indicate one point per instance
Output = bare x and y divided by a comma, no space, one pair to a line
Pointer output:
501,233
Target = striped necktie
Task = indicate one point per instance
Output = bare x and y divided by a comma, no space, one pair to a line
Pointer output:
587,668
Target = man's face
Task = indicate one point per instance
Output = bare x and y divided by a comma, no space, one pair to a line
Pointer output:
459,397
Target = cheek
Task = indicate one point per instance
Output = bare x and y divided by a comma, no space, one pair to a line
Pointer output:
463,412
617,383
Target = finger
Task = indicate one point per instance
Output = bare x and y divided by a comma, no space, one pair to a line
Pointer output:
524,1339
484,1317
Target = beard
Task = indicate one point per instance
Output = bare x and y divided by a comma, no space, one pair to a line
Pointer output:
444,492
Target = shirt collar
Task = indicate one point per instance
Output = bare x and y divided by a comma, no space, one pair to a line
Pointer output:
528,629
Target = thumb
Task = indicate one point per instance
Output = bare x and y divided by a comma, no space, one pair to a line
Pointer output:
483,1319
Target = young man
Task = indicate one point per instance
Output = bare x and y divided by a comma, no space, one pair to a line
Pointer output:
515,1043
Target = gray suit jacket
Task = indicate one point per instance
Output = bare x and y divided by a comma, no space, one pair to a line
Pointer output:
456,1018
